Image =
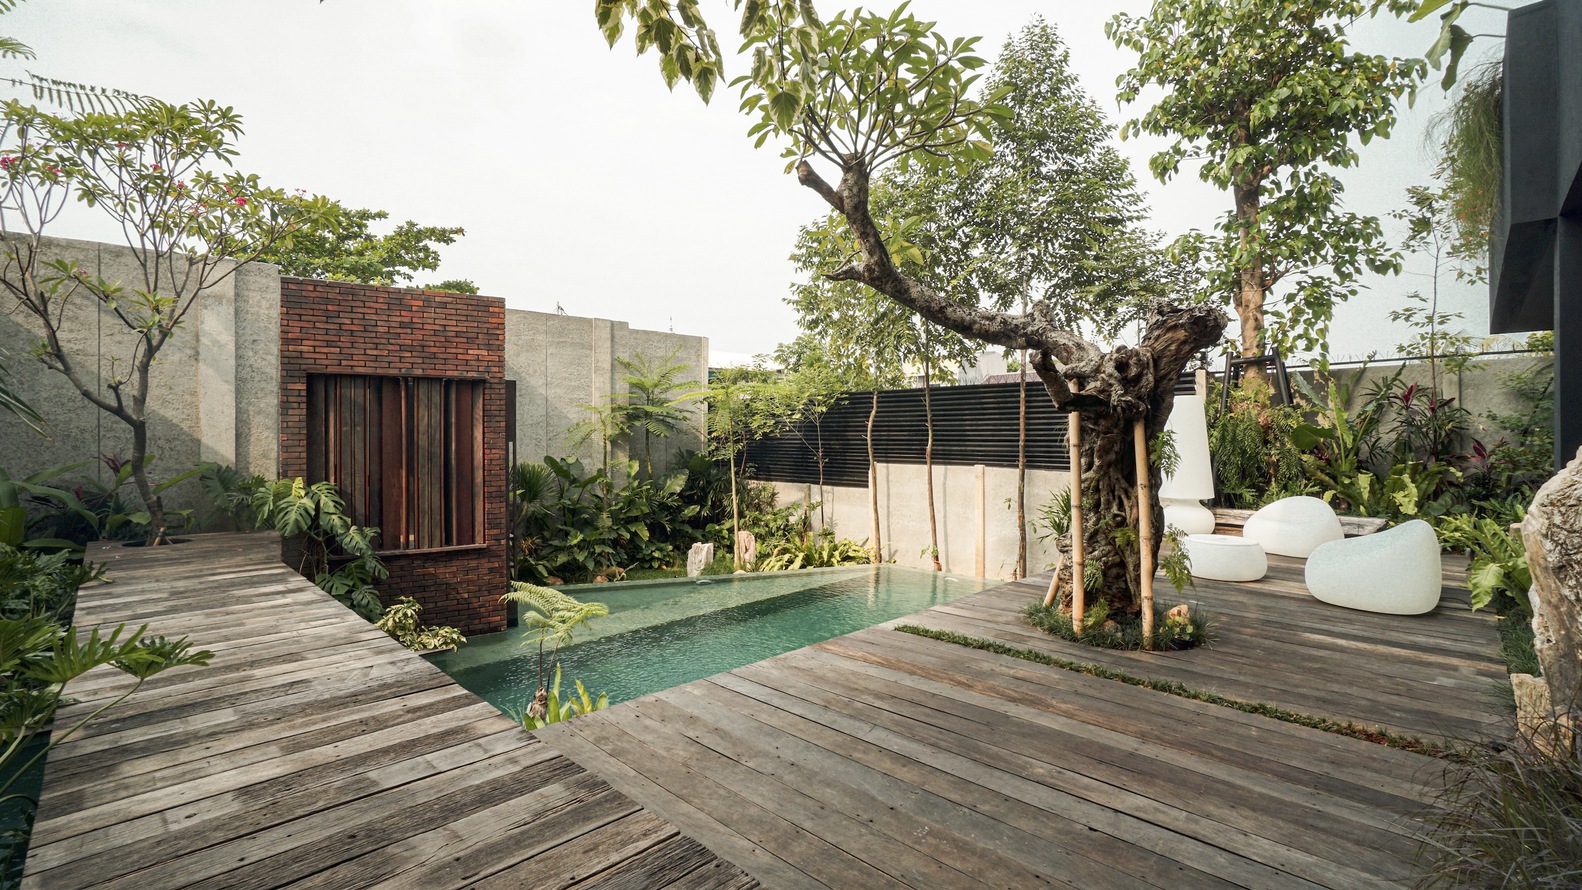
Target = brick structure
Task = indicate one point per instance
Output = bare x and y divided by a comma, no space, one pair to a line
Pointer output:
331,327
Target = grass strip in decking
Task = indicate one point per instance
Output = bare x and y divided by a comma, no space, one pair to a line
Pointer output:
1377,735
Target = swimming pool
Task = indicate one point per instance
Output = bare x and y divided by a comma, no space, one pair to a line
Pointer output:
666,633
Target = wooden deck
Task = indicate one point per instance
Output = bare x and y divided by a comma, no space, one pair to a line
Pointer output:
1437,676
882,759
316,752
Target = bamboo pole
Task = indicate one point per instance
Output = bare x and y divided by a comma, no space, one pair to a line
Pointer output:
1145,531
980,555
1079,561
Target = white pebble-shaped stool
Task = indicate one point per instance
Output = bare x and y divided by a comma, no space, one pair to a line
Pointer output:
1395,571
1293,526
1225,557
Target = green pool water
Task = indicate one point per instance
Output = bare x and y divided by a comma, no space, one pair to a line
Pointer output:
662,634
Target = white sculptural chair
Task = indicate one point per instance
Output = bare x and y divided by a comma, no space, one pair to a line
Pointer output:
1395,571
1293,526
1181,492
1225,557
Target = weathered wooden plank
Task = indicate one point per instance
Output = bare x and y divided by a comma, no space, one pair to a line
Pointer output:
313,750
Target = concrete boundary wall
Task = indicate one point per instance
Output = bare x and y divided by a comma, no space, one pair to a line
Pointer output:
213,390
903,512
564,363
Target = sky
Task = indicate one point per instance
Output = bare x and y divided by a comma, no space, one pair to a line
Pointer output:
582,183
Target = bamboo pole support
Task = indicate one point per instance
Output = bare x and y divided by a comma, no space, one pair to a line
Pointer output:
980,556
1078,550
1145,531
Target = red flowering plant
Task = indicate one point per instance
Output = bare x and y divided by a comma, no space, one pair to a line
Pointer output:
163,173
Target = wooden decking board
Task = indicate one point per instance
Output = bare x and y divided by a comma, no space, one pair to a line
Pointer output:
1053,774
1092,795
1281,813
1272,684
326,758
1024,833
313,751
1095,701
897,806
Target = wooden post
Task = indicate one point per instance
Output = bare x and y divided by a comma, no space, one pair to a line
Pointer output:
1145,531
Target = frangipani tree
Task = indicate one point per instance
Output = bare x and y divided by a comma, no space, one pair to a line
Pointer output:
862,91
162,173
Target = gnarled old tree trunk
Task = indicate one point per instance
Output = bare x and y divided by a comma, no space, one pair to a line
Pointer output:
1112,389
1552,536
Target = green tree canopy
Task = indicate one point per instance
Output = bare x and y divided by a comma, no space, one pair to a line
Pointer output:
350,251
1269,97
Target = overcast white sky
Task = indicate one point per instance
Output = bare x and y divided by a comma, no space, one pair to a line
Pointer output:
580,180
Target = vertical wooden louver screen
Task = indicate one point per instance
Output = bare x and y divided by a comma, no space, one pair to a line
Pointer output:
406,453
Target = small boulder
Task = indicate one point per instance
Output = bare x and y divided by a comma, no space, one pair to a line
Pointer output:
1178,615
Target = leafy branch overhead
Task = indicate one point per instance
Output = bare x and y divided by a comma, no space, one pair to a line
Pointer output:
1267,97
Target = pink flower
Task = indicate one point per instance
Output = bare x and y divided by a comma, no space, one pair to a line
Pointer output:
156,167
241,202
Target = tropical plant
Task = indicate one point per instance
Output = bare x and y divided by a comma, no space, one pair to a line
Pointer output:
820,550
14,404
315,517
38,657
552,618
1471,138
557,711
1271,98
1256,459
573,524
91,510
41,585
401,622
159,172
1498,572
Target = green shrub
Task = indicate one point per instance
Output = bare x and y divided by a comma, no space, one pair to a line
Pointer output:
822,550
1255,462
573,524
400,621
41,585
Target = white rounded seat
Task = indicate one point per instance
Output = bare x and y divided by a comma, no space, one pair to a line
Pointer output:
1225,557
1395,571
1293,526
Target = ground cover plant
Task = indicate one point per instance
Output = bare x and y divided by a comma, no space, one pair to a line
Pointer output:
1175,627
1377,735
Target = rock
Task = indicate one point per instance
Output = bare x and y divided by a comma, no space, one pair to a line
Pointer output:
698,558
746,548
1552,537
1110,627
552,581
1178,615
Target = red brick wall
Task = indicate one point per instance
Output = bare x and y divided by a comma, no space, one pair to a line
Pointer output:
329,327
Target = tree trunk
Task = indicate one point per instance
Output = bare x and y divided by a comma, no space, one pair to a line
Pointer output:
1251,289
928,466
1110,390
1552,536
145,489
736,520
873,482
